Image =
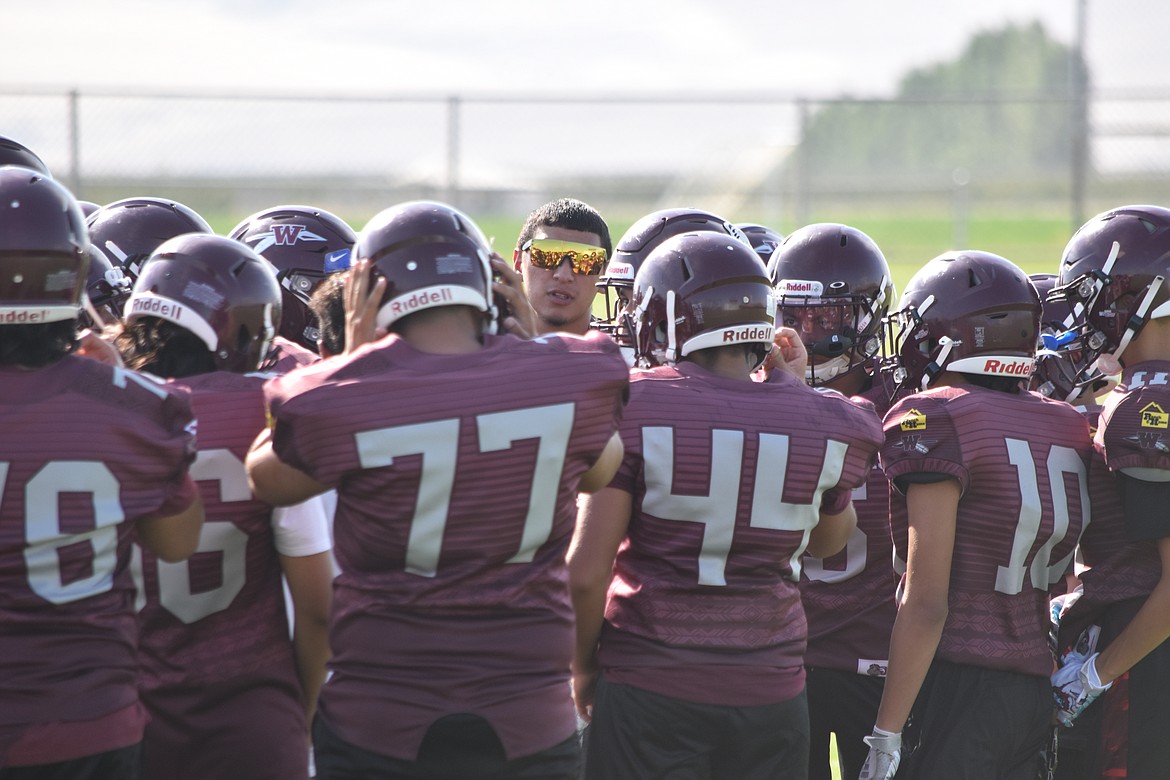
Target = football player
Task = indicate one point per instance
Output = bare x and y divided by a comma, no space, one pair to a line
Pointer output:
90,456
764,240
13,152
693,665
127,231
452,626
833,287
1114,639
306,246
636,244
1059,355
989,499
228,693
560,253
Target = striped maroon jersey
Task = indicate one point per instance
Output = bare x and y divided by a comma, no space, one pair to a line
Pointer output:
850,598
457,481
1133,433
85,449
215,624
1022,464
728,478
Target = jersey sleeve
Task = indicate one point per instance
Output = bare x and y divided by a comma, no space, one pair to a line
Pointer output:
1134,434
302,529
921,444
304,434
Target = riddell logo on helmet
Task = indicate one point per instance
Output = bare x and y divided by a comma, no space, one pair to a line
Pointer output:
421,300
23,317
620,271
1008,368
749,333
800,287
157,306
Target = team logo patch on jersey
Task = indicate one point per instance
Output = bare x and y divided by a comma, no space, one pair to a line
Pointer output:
913,442
1149,440
913,420
1154,416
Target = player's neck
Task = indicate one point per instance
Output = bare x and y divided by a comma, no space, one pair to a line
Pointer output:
729,363
448,330
1153,343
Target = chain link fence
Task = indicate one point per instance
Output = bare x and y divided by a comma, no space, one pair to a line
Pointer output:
777,159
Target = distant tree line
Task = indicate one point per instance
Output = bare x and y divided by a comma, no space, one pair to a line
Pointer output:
987,118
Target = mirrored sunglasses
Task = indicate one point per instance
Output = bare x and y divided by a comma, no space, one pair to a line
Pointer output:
551,252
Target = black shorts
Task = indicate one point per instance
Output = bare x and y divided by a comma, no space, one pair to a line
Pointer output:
842,703
456,747
120,764
636,734
970,723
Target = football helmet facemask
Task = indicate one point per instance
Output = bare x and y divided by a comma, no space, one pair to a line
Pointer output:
1113,278
833,285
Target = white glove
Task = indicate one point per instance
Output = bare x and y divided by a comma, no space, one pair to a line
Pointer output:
1075,685
885,753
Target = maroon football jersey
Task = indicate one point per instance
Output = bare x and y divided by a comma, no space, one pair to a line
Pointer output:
1022,463
850,598
215,642
728,478
1133,433
84,449
456,478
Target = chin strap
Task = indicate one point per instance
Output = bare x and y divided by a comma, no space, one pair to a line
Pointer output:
1139,318
939,363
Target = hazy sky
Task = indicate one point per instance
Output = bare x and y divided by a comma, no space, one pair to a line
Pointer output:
814,47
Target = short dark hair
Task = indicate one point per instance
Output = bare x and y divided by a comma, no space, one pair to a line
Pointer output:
37,345
568,213
164,349
328,306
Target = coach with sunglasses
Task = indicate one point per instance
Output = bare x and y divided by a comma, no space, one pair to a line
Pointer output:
560,253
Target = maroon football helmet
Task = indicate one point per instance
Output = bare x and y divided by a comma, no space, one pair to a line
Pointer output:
969,311
305,245
129,230
44,250
106,289
763,239
636,245
700,290
833,286
218,289
13,152
1113,277
431,255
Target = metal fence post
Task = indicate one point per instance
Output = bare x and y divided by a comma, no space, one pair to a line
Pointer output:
453,109
74,133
